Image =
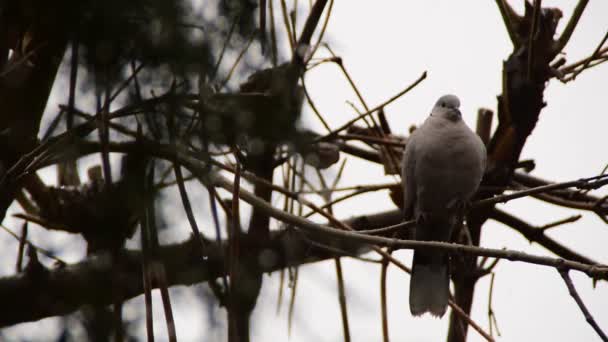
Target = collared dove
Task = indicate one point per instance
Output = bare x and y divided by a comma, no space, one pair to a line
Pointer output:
443,164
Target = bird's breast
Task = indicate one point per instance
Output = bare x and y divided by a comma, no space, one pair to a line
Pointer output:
448,167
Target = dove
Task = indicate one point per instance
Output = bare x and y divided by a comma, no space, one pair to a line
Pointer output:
443,164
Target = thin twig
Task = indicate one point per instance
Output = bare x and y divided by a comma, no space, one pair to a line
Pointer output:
38,249
595,53
224,47
338,251
213,197
337,60
584,183
281,285
371,111
506,18
337,262
472,323
238,60
73,79
312,105
187,206
588,317
161,277
157,268
565,37
273,35
342,299
383,304
290,34
532,36
560,199
125,83
21,250
22,60
603,57
371,187
390,229
147,279
263,25
292,301
104,138
571,68
338,176
491,315
533,234
309,27
373,140
566,220
323,28
234,254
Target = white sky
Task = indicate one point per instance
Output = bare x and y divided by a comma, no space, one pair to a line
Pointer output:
386,45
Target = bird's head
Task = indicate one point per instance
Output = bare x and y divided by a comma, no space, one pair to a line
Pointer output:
447,107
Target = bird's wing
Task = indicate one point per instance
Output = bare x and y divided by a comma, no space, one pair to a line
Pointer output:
407,177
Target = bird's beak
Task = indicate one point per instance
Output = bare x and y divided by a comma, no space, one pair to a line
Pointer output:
457,111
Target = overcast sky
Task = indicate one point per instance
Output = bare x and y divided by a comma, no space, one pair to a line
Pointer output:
386,45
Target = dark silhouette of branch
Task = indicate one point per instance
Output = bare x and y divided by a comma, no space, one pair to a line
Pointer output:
565,36
65,289
27,78
524,78
534,234
575,199
383,300
588,317
484,124
596,53
38,292
584,183
598,57
592,270
472,323
509,18
86,282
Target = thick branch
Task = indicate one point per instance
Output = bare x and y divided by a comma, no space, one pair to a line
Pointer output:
29,297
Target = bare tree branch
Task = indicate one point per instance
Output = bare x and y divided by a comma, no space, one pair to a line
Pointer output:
508,17
537,235
565,36
583,183
65,289
588,317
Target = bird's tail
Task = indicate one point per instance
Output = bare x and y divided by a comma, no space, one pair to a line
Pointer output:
430,283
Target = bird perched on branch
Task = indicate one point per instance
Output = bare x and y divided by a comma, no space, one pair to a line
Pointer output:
443,164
